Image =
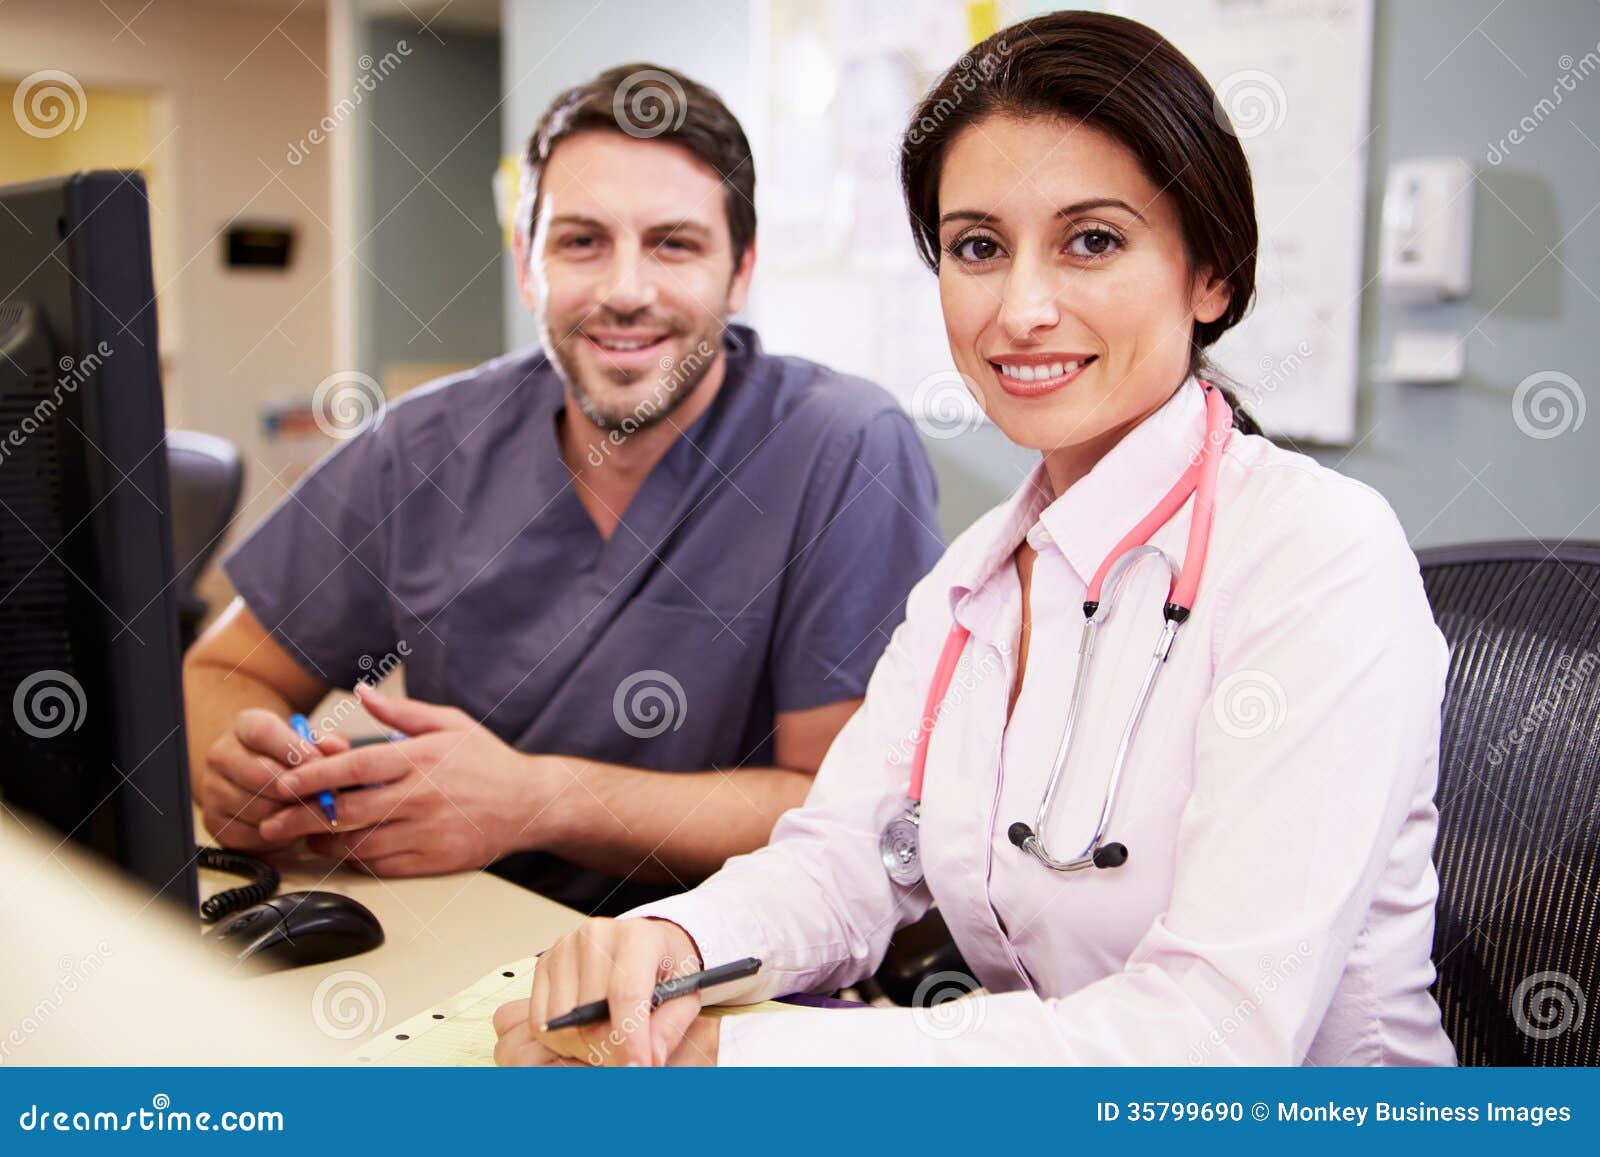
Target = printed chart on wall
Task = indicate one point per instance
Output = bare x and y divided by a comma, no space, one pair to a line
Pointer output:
1294,77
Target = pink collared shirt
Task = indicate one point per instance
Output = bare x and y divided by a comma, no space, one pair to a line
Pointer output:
1277,903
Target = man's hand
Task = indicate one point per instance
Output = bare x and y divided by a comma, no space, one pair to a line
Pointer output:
241,783
450,797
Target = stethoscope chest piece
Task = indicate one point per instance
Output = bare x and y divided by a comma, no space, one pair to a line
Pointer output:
901,850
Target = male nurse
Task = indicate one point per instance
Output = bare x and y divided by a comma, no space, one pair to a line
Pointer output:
638,577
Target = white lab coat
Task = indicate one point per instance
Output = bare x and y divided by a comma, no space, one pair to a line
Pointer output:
1277,904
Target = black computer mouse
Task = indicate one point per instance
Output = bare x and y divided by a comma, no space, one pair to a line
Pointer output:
299,928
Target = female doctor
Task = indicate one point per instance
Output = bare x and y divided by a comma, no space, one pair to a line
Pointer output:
1228,866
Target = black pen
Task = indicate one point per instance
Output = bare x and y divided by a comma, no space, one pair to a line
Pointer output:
598,1010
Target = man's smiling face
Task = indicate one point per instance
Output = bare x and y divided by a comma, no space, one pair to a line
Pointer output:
631,271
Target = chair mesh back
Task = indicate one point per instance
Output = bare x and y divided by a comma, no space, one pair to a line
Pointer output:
1517,943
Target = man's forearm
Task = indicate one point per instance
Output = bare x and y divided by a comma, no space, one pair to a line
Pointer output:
660,826
213,696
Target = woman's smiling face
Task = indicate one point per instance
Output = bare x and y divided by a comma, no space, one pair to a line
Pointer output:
1067,293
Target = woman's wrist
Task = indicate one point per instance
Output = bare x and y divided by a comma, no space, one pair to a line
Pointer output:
694,960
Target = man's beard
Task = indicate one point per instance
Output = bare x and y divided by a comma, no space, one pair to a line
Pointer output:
670,388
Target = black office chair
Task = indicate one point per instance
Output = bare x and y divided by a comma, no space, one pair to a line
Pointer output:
1517,943
922,963
206,480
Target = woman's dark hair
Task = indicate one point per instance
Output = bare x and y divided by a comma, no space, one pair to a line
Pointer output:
649,102
1129,82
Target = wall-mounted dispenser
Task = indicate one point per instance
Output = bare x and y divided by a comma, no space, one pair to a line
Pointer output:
1425,259
1425,248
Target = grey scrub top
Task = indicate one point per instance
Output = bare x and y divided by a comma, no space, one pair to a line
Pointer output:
760,568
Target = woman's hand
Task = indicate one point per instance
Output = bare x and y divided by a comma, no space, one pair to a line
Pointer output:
620,962
517,1047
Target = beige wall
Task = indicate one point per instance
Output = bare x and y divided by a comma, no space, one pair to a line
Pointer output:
233,86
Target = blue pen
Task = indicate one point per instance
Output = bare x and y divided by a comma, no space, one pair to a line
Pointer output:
302,728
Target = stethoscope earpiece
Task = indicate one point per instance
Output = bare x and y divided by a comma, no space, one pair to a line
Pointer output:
1103,856
1111,856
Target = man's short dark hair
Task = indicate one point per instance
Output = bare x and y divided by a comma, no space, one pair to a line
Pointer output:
649,102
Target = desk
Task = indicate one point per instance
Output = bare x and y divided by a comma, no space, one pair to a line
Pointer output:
96,971
441,933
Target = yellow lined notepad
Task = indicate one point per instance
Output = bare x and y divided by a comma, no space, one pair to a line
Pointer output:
459,1032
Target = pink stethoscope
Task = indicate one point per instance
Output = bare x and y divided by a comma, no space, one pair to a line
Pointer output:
898,845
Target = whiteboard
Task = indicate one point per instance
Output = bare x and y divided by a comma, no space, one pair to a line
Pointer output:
837,279
1295,79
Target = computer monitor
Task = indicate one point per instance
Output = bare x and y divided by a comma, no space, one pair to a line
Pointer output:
91,707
